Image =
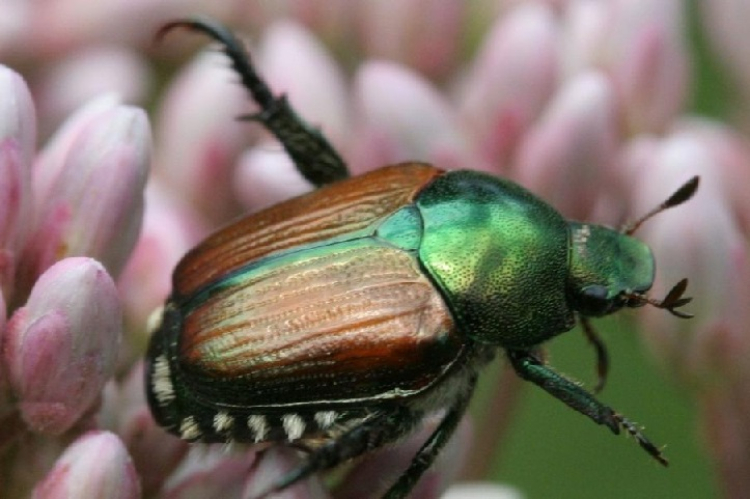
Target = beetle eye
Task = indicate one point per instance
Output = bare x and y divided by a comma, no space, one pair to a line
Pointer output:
594,300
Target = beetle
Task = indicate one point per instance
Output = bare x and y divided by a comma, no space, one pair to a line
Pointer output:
338,320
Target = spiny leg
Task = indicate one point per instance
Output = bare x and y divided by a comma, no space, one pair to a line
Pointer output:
529,367
432,447
372,433
313,155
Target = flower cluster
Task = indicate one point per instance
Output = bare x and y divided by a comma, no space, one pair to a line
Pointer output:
582,102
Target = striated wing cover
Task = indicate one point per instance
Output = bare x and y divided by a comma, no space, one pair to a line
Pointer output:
305,303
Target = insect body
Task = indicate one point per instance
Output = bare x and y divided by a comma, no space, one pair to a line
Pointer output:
338,320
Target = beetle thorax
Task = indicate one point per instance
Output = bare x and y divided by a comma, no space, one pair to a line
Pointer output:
499,256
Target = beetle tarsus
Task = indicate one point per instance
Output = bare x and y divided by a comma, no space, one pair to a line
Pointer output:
314,156
644,442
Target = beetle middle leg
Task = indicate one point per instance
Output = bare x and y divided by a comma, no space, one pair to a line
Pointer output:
529,367
314,156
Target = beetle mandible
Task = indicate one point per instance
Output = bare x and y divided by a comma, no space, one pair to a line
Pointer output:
338,320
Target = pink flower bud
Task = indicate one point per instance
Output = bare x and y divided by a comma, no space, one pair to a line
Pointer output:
169,230
568,155
72,81
210,472
708,241
51,160
17,138
155,453
374,473
199,136
404,118
60,348
5,401
93,202
703,241
17,118
95,465
266,175
511,79
641,45
423,34
274,463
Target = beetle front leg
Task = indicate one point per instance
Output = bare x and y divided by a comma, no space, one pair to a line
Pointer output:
314,156
530,367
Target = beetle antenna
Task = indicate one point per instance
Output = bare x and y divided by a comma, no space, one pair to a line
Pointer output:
670,303
314,156
677,198
602,357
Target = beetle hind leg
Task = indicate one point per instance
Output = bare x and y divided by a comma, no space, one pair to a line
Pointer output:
529,367
314,156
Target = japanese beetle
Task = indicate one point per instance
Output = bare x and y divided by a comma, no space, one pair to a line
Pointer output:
338,320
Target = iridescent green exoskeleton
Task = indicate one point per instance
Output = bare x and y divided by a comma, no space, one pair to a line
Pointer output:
338,320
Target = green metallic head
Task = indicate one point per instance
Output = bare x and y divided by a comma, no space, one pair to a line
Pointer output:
608,270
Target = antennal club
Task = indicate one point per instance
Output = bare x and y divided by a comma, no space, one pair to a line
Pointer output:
674,300
677,198
670,303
